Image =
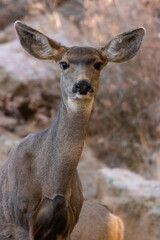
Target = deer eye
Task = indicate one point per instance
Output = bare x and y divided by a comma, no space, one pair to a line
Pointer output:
64,65
98,65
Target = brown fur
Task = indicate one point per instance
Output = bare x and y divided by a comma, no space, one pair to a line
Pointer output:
115,228
96,222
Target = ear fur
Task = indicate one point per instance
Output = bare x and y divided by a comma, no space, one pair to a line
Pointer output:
124,46
37,44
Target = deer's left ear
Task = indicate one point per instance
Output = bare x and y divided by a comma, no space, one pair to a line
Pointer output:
37,44
124,46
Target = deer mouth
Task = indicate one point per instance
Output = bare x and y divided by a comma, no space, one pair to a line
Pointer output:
79,96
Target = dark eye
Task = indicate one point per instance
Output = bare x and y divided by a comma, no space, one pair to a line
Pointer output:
64,65
98,65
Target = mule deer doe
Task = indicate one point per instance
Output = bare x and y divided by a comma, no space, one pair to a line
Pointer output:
40,194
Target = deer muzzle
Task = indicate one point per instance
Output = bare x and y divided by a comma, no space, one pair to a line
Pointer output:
82,87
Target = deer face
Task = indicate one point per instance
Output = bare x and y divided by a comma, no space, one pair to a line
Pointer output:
80,71
80,66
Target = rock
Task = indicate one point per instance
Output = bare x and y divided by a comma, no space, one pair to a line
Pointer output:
7,122
134,199
23,67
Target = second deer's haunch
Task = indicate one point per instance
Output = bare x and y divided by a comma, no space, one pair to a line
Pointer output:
96,222
40,191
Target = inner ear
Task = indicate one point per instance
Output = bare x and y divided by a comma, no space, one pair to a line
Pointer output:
37,44
124,46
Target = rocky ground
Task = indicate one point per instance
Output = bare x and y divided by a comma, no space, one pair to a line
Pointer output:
120,165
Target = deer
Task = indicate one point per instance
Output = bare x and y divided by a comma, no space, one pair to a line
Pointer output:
97,222
41,193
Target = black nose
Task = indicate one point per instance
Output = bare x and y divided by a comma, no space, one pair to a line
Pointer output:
83,87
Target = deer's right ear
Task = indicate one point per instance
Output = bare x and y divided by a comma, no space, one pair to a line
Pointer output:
124,46
37,44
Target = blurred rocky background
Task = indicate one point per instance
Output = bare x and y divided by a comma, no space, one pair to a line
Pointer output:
120,165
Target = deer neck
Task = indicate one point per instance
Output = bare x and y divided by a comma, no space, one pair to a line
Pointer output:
71,122
68,132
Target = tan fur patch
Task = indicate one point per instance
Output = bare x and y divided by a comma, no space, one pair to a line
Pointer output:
115,228
76,106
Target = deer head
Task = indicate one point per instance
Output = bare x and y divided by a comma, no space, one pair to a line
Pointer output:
80,66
